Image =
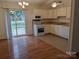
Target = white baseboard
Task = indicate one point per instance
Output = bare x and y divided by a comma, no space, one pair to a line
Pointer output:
71,53
3,38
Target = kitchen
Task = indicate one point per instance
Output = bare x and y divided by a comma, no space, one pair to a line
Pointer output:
53,23
46,22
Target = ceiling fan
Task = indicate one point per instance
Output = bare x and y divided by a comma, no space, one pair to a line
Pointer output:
56,3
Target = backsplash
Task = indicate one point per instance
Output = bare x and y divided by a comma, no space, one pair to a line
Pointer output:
64,19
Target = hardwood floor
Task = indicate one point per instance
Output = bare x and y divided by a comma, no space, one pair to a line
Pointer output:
4,49
55,41
29,47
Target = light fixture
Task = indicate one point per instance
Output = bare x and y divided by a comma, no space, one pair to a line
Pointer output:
26,4
23,4
57,3
20,3
54,5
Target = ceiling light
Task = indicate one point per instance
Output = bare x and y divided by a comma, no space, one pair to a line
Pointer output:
54,4
20,3
23,6
27,4
24,3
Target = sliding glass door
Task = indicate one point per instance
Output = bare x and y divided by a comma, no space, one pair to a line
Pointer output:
17,18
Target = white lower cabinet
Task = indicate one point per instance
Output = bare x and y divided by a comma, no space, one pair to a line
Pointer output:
60,30
47,28
53,29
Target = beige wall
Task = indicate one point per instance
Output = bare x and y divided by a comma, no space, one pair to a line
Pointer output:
2,24
30,12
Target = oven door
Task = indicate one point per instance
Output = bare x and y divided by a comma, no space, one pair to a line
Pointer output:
40,30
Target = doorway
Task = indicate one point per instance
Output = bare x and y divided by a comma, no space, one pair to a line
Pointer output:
17,18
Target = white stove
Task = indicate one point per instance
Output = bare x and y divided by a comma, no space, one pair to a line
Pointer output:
38,30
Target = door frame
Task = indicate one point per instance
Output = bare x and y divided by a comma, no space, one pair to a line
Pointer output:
8,23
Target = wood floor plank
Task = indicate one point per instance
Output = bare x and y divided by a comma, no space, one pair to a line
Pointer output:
29,47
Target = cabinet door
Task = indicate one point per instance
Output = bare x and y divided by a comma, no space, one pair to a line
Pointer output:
40,12
53,29
47,28
60,30
61,11
52,13
65,31
57,29
68,12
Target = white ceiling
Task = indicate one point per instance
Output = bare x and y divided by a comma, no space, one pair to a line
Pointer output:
31,1
41,2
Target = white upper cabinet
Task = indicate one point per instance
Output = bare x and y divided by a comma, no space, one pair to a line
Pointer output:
64,11
61,11
68,12
52,13
41,12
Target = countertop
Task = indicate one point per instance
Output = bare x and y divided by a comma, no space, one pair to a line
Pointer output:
57,23
51,21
